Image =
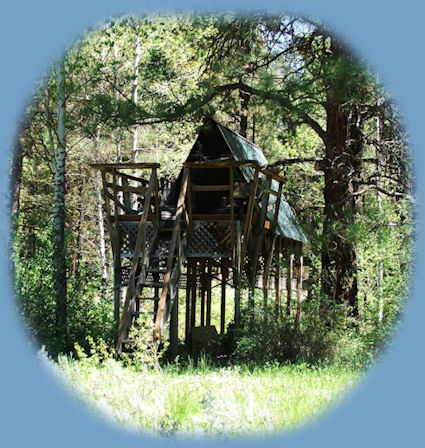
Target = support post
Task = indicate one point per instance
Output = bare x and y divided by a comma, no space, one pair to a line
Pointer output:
289,276
174,325
193,287
224,273
299,290
208,287
188,291
237,275
202,266
277,308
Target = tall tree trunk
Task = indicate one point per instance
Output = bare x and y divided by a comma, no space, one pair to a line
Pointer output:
16,175
343,146
118,129
59,265
245,97
135,91
380,279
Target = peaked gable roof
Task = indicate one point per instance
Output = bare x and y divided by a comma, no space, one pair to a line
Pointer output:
242,149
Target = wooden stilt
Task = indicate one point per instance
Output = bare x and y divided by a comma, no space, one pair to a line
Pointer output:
188,291
265,294
193,287
174,326
155,276
277,306
299,289
237,275
289,275
203,288
224,273
208,292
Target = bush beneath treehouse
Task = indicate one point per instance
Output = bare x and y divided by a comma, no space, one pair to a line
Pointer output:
321,336
146,352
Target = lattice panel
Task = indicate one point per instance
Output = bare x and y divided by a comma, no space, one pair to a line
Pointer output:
128,235
210,239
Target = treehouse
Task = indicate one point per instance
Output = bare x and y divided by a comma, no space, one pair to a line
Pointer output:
224,218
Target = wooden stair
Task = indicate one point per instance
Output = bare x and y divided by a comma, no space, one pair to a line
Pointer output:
165,260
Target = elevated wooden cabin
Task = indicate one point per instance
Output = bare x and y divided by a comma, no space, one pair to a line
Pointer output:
224,218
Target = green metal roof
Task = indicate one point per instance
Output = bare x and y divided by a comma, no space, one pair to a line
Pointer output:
243,149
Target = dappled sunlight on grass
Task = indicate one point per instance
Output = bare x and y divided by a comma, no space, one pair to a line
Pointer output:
205,400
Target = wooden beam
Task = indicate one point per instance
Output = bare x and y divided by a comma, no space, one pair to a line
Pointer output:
220,164
237,276
188,292
208,287
174,326
156,193
203,290
119,166
210,188
224,273
289,275
189,202
210,217
232,214
269,173
277,308
299,290
108,211
128,189
193,287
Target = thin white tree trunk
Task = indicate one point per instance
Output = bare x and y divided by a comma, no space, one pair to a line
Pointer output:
59,265
118,129
380,267
135,93
102,245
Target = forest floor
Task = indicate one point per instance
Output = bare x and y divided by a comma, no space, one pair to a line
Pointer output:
206,400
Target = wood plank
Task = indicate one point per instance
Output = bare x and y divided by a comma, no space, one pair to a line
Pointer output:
289,275
210,188
224,273
156,193
232,214
278,251
299,290
174,326
193,295
188,299
208,288
211,217
189,202
220,164
130,218
129,166
237,276
269,173
128,189
108,211
203,291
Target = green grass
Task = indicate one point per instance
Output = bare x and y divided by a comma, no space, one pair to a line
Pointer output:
208,401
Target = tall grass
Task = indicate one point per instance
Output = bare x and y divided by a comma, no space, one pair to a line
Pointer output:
203,400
